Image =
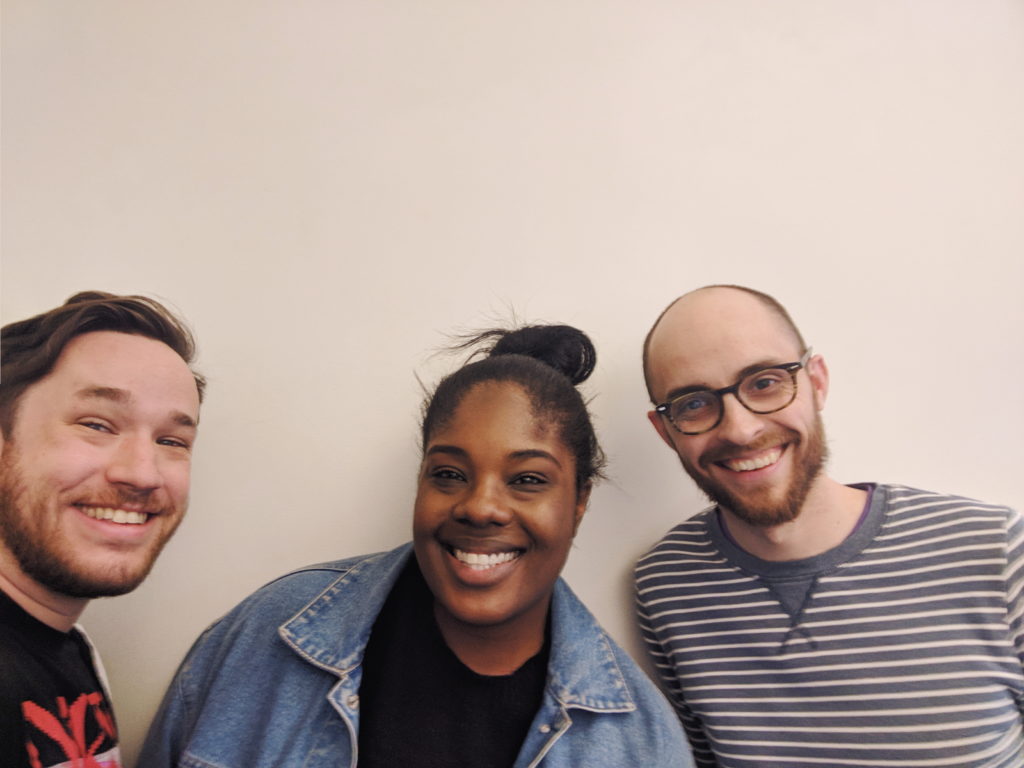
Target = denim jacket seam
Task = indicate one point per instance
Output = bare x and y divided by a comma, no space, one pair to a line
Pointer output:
309,614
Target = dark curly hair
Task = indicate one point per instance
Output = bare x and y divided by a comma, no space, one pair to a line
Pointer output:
547,361
30,348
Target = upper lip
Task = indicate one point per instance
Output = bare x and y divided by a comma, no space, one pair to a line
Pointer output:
746,455
481,546
750,463
739,453
127,507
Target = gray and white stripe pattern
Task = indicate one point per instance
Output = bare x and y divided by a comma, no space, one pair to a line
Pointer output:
907,652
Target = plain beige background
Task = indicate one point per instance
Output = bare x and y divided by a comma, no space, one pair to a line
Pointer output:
326,188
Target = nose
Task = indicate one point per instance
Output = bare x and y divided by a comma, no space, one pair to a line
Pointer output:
739,425
135,463
483,505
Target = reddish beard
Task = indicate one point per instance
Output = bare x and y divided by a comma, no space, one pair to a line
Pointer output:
764,508
47,559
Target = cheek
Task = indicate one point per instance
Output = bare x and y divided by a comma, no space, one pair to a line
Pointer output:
66,467
178,478
801,420
424,516
690,449
559,528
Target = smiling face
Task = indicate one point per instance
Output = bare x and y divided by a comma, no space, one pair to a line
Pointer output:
760,467
496,511
94,476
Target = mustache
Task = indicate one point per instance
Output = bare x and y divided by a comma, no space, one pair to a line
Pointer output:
115,498
730,450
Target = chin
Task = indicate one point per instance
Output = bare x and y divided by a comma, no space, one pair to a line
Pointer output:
91,581
775,506
479,615
763,515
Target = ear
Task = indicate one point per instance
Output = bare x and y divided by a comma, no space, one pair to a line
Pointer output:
817,372
582,499
658,421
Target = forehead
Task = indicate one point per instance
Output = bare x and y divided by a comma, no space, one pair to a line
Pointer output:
149,372
709,336
495,409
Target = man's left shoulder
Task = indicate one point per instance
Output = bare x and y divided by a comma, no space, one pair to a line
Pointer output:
904,501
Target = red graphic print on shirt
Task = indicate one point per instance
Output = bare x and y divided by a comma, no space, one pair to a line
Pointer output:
84,732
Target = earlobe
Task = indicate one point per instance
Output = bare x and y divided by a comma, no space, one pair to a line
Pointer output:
659,425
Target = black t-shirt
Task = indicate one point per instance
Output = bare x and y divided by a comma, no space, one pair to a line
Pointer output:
421,707
52,705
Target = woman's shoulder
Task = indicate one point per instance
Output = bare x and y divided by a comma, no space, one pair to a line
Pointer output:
292,593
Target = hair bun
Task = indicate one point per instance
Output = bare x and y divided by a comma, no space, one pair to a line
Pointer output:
566,349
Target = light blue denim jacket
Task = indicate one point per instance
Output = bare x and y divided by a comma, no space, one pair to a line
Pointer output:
275,683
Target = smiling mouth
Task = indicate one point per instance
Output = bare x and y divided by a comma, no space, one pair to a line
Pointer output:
121,516
480,562
766,459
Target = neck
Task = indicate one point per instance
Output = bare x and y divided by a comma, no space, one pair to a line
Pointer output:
828,515
53,609
498,649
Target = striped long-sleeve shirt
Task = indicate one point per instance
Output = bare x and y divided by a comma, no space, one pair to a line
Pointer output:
907,650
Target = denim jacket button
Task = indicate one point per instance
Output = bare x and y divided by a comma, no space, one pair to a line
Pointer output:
353,701
545,728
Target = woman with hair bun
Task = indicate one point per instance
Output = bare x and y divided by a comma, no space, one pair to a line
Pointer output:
463,648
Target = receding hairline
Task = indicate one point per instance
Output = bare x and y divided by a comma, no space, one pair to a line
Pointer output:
768,301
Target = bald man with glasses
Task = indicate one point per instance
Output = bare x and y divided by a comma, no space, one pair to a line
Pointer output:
799,621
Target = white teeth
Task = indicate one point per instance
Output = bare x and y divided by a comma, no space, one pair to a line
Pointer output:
478,561
116,515
746,465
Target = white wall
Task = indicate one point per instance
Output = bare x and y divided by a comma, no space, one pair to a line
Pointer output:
326,188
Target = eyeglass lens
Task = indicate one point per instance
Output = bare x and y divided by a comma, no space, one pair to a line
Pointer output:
763,391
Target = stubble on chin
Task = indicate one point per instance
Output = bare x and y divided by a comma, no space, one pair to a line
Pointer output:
45,555
766,509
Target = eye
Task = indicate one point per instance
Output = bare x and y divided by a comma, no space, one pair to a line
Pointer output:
764,382
529,479
174,442
96,426
445,476
692,406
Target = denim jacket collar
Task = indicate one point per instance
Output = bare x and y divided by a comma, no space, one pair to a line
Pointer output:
582,671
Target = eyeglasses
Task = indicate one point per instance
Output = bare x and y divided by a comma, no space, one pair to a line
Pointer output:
765,390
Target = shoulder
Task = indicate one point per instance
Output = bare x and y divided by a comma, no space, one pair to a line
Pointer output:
689,535
290,592
317,576
255,622
908,505
687,548
924,519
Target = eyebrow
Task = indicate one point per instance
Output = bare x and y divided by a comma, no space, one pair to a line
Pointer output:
535,453
452,449
526,453
123,397
104,393
760,365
